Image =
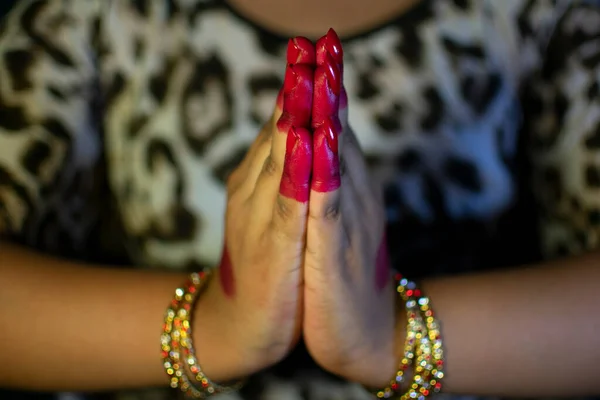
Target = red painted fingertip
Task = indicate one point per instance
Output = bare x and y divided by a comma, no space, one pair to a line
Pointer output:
332,45
325,100
333,74
297,97
301,50
295,180
291,79
326,163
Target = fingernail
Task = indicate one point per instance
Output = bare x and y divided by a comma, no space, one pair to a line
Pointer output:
326,164
334,46
300,50
333,74
291,79
331,135
295,180
330,44
298,95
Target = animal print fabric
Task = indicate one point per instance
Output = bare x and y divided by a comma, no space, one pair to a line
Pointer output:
120,121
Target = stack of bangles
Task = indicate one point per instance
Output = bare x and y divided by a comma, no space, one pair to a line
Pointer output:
177,351
422,350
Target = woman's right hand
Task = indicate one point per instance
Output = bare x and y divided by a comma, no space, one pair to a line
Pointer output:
254,301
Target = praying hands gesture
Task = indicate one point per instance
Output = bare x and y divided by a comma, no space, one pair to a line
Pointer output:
305,245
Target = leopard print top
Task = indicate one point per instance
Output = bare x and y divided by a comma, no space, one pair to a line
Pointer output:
120,121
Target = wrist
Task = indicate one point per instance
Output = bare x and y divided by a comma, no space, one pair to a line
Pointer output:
218,347
373,360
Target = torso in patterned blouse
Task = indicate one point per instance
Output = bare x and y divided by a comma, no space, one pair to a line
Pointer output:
120,121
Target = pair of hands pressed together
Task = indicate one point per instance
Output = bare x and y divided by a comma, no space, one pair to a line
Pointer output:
305,248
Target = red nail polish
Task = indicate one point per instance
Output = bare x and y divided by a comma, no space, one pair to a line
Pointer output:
326,164
325,100
297,98
300,50
331,131
291,79
334,46
330,44
333,73
295,180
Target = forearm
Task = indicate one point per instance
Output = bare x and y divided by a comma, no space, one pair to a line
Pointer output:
524,332
64,327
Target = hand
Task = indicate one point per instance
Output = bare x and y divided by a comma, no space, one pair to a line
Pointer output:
255,299
349,315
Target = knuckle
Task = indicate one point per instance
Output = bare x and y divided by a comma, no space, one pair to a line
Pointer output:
270,167
285,224
330,211
283,209
333,211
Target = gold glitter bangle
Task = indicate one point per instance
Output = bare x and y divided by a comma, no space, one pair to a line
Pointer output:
176,325
170,345
423,348
416,330
183,324
429,365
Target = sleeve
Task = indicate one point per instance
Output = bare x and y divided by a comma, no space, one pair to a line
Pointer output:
563,126
49,136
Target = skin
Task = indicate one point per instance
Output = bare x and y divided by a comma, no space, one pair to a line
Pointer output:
325,109
294,101
295,119
505,332
340,270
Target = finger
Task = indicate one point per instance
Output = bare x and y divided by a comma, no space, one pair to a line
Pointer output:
288,220
243,178
325,114
284,180
329,51
296,109
300,51
325,224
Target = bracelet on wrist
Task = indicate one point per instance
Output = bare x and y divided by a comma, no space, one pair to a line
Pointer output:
423,349
177,349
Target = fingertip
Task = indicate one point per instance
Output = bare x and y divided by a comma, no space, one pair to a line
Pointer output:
330,44
301,51
326,94
295,180
326,164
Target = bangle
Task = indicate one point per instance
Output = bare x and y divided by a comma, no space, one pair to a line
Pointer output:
423,347
183,325
177,327
416,330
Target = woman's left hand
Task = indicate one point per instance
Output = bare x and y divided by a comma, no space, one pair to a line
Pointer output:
349,313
